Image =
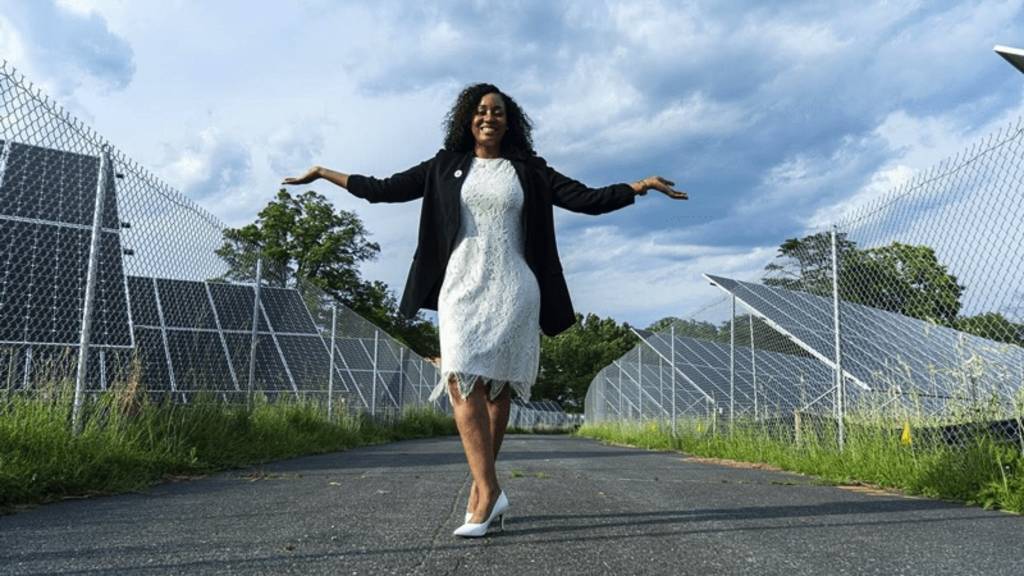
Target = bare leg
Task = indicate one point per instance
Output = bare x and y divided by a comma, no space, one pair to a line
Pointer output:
498,410
473,422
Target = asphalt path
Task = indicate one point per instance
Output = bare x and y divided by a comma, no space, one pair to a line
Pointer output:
578,507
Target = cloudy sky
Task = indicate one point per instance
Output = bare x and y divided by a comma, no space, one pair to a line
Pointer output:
774,117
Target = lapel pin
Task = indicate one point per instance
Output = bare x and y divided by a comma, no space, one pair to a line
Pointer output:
458,173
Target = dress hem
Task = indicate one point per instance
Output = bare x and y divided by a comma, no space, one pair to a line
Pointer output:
466,381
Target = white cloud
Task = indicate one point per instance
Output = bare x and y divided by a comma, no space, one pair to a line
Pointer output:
295,147
63,46
212,164
634,133
644,277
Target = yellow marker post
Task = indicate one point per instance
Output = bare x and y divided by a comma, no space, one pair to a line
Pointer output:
905,438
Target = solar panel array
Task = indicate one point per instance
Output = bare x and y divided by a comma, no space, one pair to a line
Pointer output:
195,337
888,352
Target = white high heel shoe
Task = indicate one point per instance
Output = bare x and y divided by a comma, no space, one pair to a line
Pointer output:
470,530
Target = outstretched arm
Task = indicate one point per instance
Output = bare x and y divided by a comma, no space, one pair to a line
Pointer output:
572,195
400,187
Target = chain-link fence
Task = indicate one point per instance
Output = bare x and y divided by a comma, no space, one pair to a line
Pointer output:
905,316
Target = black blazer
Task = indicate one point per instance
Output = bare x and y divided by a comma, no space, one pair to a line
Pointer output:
439,182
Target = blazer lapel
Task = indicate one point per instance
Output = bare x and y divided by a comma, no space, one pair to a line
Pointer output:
451,198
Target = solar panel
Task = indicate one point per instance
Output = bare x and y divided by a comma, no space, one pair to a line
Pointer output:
270,373
185,304
152,359
46,207
234,306
887,351
308,359
286,311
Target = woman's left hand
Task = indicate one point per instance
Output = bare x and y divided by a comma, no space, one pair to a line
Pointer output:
661,185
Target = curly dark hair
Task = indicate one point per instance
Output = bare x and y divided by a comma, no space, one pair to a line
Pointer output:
518,139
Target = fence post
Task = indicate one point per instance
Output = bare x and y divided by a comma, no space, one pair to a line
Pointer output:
640,381
661,385
732,366
255,331
619,386
330,377
839,355
672,352
419,388
90,293
753,364
373,393
401,378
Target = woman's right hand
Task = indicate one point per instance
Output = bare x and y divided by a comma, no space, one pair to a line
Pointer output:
314,173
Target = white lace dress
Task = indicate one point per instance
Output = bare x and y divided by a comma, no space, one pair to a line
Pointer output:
489,305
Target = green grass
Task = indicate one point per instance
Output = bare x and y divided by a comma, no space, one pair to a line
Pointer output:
983,471
128,443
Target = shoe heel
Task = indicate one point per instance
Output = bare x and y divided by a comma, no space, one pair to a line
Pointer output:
501,523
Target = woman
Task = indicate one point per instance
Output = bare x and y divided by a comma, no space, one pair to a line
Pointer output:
487,262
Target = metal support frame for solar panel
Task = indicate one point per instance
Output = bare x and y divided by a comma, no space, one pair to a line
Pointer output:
163,338
641,389
375,372
327,348
355,383
675,368
277,345
220,336
772,363
716,280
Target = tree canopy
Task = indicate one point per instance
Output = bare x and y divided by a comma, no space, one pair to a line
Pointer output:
902,278
569,361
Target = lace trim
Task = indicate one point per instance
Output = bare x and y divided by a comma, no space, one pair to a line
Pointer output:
466,382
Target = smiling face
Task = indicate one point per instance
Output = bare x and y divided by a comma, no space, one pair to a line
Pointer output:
489,121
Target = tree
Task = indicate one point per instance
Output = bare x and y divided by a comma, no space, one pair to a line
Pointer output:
806,263
900,278
905,279
690,328
765,337
304,237
569,361
994,326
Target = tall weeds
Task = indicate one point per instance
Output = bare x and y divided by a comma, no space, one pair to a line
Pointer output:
982,470
130,441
